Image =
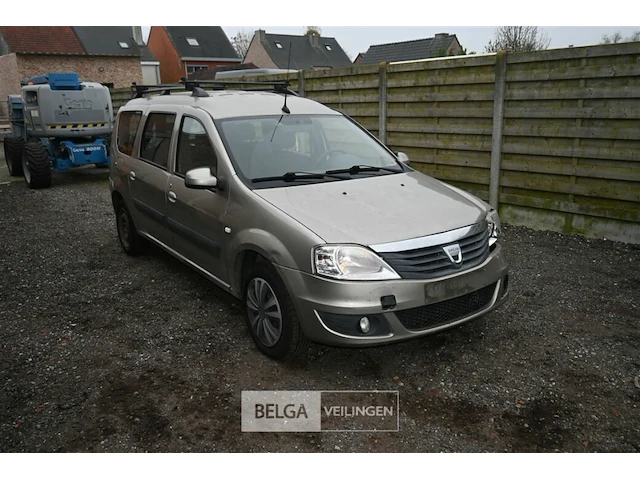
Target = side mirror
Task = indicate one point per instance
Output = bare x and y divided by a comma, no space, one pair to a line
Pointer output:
201,178
403,158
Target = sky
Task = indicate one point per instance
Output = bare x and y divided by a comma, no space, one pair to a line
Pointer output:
358,39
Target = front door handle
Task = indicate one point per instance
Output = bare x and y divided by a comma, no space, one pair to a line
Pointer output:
132,175
172,196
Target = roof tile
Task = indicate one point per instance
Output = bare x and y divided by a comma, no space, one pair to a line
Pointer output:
405,51
304,55
212,42
53,40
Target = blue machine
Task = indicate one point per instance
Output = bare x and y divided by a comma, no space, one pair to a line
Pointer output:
58,122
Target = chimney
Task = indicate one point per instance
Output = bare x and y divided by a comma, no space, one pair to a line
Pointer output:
262,35
137,35
441,35
313,39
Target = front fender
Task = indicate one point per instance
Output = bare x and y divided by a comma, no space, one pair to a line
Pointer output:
264,244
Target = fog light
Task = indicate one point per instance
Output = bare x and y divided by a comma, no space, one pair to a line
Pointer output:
364,325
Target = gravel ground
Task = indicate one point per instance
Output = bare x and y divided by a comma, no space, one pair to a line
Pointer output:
104,352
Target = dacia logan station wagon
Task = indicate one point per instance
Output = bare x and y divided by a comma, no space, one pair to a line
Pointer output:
324,233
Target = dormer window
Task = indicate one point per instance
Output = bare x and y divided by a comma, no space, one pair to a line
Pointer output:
123,44
328,47
278,44
193,42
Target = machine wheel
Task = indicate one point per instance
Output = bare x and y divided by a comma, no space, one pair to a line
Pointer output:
36,165
13,155
130,240
271,315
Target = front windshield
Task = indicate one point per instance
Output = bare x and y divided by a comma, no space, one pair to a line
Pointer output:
272,146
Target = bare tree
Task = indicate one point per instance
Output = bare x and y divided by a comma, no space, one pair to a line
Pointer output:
616,37
241,42
518,39
313,31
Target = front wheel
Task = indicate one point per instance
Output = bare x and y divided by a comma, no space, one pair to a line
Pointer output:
270,314
36,165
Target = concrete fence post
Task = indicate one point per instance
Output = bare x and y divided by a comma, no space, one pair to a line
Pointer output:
382,103
301,83
496,135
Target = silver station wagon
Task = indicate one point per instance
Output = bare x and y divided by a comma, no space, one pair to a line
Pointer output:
324,233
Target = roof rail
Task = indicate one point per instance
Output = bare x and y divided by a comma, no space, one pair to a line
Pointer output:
198,86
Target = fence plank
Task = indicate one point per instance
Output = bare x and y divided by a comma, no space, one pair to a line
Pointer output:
554,92
603,153
629,215
596,71
586,112
551,130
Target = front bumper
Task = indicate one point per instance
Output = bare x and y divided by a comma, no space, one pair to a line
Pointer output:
453,299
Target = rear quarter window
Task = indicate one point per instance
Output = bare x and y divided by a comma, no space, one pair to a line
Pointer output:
127,129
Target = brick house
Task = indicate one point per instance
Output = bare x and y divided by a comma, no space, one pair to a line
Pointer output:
442,44
29,51
118,41
271,50
185,50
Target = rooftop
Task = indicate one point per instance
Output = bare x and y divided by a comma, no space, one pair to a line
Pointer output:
408,50
47,40
306,51
202,42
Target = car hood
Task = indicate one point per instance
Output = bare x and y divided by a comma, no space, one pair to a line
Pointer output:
380,209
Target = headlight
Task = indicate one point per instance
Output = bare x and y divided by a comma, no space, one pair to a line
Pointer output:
493,224
350,262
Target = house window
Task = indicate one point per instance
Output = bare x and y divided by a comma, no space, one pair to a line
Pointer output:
328,47
278,44
195,68
123,44
193,42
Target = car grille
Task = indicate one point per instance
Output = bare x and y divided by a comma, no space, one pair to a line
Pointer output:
432,262
448,311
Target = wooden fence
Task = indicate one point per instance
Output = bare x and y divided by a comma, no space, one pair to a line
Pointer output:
552,138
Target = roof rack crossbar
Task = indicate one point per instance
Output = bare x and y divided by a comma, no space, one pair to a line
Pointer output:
138,91
276,86
197,87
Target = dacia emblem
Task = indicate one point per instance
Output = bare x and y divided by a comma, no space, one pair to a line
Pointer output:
454,252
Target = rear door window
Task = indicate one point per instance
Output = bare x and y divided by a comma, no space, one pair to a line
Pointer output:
156,138
127,129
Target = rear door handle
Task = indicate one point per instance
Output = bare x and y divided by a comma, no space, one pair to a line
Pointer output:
172,196
132,175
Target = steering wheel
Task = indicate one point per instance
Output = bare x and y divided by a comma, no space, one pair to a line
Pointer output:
326,156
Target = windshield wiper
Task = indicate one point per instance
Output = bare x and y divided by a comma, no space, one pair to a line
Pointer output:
293,176
354,169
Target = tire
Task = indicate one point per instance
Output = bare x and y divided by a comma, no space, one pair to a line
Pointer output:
13,155
36,165
280,338
130,240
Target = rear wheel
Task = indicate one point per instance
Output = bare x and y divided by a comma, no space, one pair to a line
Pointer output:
271,315
130,240
36,165
13,155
